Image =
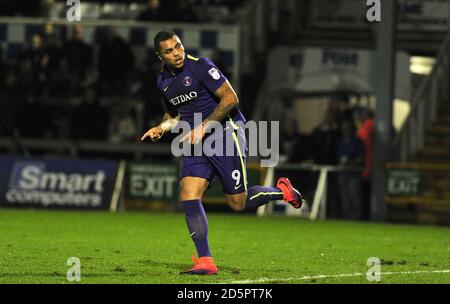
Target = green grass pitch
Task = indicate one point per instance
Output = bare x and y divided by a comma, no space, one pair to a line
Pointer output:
154,247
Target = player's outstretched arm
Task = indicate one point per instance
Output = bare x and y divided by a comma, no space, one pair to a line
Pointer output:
167,123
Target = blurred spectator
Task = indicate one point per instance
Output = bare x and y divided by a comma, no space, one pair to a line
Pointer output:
78,57
29,8
16,147
3,76
350,153
126,127
2,69
115,63
90,120
217,57
46,7
17,83
153,12
185,12
169,10
294,145
365,133
36,59
35,120
324,140
52,43
153,108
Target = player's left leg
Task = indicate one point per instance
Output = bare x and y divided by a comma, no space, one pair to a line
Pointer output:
257,196
196,174
232,172
192,189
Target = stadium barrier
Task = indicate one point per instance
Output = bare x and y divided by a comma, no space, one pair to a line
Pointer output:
65,183
416,192
151,185
419,192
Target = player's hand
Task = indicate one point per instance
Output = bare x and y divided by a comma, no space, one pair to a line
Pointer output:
155,134
194,136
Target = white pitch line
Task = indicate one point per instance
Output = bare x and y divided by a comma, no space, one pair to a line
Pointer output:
325,276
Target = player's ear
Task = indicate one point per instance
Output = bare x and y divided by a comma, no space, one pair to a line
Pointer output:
157,54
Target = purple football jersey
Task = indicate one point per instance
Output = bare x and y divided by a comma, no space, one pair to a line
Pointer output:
192,89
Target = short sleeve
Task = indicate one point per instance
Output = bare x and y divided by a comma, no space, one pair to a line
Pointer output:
211,77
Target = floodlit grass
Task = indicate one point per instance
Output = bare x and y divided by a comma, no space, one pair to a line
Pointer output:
154,247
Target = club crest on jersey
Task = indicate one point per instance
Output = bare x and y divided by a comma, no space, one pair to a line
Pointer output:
214,73
187,81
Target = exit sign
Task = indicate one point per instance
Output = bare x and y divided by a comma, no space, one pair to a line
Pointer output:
404,182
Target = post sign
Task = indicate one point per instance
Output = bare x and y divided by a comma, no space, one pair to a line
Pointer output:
404,182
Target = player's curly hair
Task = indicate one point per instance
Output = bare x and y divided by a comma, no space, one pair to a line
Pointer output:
162,36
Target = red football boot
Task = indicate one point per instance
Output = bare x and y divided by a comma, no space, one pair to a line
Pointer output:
202,266
290,194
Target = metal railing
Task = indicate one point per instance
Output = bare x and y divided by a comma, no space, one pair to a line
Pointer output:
432,92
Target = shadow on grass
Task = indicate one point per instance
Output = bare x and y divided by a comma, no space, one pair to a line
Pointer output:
181,267
52,275
122,271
